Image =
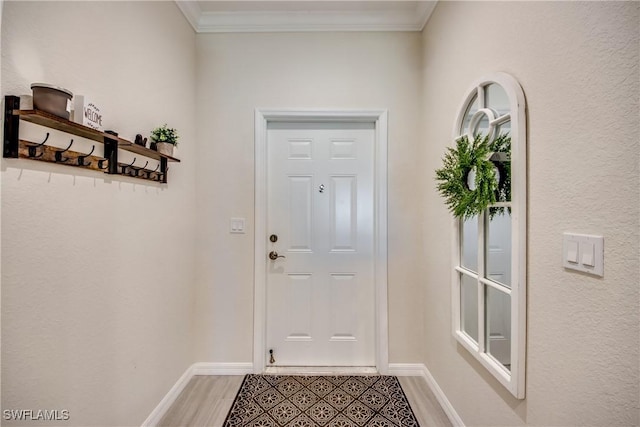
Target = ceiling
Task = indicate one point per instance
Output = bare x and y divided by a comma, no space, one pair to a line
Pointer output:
215,16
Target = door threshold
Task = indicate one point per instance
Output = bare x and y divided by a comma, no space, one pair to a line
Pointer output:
321,370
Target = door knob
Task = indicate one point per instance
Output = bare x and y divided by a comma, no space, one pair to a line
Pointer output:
273,255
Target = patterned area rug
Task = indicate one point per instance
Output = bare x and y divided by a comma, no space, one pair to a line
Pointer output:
312,401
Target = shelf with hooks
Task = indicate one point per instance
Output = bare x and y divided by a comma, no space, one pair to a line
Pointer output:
17,148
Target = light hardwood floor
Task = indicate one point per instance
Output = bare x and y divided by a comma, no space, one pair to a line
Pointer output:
423,402
206,400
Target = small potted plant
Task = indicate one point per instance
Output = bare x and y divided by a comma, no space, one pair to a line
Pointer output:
165,138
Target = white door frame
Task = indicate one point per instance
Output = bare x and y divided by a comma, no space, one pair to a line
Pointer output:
379,118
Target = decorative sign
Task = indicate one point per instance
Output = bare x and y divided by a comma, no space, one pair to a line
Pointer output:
87,113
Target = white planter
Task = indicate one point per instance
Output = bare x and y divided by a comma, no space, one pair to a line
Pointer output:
165,148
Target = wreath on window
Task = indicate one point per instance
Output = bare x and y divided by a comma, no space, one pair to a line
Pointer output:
470,181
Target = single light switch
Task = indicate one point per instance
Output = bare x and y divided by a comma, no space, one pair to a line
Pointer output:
588,254
572,252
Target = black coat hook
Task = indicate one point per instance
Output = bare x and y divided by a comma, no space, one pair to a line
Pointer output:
59,153
101,162
150,172
81,158
137,170
33,148
124,167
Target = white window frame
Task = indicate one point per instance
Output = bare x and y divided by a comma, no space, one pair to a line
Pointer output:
513,379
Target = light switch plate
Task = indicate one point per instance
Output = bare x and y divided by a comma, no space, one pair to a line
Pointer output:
590,256
237,225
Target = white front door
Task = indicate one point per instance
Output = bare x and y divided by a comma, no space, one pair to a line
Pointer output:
320,200
498,305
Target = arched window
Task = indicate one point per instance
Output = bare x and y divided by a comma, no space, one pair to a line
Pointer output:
489,271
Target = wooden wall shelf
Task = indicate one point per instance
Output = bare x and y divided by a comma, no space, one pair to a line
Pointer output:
16,148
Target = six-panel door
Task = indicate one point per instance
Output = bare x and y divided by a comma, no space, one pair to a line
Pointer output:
321,295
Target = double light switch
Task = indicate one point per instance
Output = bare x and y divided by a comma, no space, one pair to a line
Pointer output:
584,253
237,225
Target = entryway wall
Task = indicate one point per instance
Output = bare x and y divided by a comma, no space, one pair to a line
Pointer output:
98,273
578,64
298,71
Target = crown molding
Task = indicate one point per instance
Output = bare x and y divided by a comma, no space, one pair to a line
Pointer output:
302,21
425,11
191,11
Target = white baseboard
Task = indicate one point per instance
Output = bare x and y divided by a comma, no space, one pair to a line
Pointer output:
222,368
420,370
406,369
156,415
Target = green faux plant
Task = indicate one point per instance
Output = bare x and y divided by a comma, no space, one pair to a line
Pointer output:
165,134
458,162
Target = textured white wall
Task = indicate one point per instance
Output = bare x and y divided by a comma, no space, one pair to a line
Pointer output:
98,272
578,65
239,72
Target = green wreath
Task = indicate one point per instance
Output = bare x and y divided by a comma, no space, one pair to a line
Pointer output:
466,157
